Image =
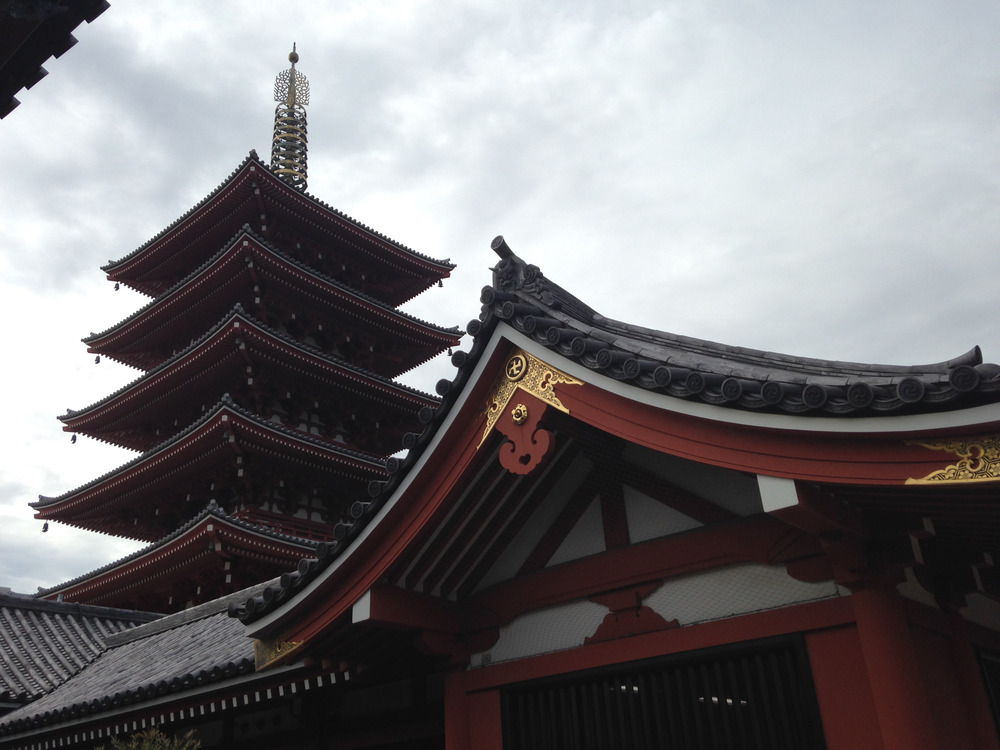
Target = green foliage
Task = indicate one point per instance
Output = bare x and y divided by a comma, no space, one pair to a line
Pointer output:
154,739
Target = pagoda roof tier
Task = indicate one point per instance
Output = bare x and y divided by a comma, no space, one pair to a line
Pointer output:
243,356
282,292
211,555
230,448
254,195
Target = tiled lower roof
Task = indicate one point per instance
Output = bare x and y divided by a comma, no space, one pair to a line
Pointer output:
43,644
172,654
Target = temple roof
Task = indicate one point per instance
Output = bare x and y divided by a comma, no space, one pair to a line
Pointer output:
156,265
719,374
679,369
175,553
235,274
225,431
241,340
169,656
43,644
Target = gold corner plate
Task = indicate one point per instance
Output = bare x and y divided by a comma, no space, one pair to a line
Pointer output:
979,460
266,652
524,372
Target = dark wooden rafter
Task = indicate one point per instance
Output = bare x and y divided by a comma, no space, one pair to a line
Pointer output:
466,537
578,502
422,558
673,497
504,528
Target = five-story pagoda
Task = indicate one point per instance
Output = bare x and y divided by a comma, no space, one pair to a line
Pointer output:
268,400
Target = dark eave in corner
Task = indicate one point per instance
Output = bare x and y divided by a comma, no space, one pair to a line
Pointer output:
31,33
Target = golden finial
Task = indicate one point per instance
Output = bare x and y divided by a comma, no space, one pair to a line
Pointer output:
288,147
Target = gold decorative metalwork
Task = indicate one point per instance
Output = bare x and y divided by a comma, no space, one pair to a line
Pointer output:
288,147
979,460
525,372
516,367
519,414
266,652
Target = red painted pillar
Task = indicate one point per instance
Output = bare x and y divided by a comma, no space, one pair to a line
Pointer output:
901,703
973,688
456,712
471,720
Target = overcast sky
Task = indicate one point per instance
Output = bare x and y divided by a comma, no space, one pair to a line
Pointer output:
820,179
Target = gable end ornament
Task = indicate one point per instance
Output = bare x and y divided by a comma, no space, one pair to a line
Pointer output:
268,651
533,382
979,460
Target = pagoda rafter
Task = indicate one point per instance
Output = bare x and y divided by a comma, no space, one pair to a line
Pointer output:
283,293
330,240
230,451
251,360
238,551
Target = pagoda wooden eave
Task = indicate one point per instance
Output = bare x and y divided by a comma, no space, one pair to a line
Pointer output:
220,438
238,342
204,543
805,453
235,276
249,195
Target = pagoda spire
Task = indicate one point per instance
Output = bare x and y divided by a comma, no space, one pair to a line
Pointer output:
288,147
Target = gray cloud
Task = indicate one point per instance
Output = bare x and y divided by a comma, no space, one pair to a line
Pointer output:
820,180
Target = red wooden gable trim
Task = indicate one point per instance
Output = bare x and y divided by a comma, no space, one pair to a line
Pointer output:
854,458
758,539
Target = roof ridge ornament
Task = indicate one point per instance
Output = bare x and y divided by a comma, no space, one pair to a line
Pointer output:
289,144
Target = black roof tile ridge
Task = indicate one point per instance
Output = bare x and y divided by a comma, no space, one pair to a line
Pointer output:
719,375
357,515
212,509
237,311
34,603
252,157
529,283
246,230
185,616
737,353
226,402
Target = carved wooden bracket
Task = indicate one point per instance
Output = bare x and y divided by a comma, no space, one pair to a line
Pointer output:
519,399
529,443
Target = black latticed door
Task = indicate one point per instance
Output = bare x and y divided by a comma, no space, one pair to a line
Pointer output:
753,696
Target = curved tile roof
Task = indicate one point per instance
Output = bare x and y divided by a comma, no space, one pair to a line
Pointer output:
176,653
724,375
42,643
678,366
